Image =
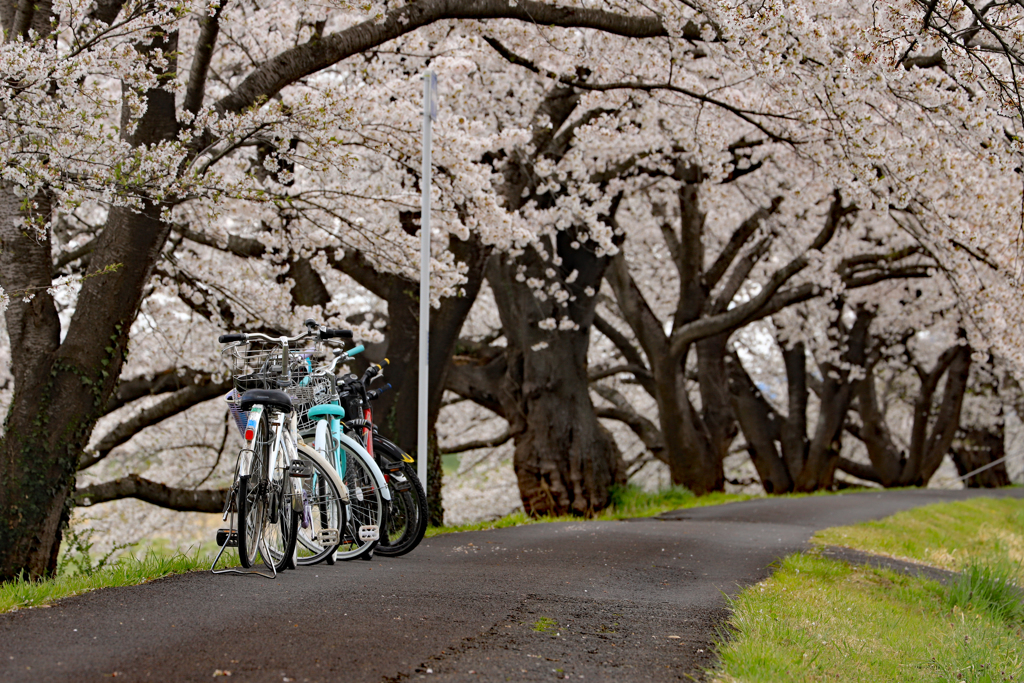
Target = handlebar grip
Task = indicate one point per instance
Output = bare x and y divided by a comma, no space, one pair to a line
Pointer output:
335,334
228,338
355,350
377,392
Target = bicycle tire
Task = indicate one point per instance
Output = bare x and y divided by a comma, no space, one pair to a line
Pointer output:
403,535
365,504
250,516
328,509
250,503
281,530
366,507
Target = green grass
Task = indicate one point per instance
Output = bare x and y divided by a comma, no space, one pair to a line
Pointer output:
128,571
820,619
946,535
627,502
545,624
990,586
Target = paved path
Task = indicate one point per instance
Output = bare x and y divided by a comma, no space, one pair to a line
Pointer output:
595,601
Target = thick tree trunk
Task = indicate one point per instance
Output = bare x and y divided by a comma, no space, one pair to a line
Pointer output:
977,447
61,392
61,389
696,442
397,410
763,428
565,461
785,459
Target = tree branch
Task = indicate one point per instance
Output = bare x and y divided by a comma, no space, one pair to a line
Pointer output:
321,52
859,470
479,443
751,310
134,486
746,115
179,401
622,411
740,236
201,61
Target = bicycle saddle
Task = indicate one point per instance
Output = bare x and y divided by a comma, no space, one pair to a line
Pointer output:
271,397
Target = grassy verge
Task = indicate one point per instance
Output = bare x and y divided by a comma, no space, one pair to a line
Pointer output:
947,535
627,502
128,571
818,619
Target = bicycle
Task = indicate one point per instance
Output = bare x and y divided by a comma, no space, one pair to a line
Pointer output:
408,514
368,494
266,494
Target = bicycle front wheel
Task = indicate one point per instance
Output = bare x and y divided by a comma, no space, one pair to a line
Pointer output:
325,507
281,526
251,498
366,509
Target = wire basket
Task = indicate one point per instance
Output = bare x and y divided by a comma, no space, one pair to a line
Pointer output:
313,390
260,364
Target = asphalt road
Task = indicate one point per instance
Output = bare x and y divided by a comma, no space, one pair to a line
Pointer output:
592,601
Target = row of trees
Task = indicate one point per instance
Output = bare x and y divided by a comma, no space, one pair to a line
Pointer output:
677,177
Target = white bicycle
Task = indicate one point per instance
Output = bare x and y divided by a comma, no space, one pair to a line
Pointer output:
267,497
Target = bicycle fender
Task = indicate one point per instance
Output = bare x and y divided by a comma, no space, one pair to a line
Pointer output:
356,448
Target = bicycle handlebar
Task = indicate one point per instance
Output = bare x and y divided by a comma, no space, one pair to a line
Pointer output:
371,395
321,334
372,372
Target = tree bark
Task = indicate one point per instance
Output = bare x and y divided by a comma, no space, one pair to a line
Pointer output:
785,459
61,389
134,486
565,461
397,410
976,447
934,426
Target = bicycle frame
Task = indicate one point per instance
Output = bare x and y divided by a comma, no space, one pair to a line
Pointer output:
343,441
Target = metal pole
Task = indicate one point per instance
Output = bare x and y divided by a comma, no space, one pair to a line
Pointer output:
429,82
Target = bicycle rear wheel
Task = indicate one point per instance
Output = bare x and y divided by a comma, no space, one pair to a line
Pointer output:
249,504
282,523
323,493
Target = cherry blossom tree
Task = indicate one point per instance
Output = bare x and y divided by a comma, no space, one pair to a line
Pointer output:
180,136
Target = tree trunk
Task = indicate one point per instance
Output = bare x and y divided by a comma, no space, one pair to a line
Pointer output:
696,442
565,461
397,410
933,428
61,389
785,459
763,427
977,447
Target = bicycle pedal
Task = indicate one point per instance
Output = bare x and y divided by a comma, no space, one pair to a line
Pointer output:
392,466
300,470
227,537
369,532
328,537
400,484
